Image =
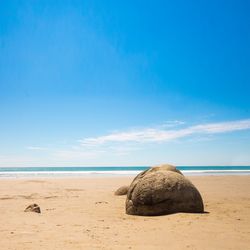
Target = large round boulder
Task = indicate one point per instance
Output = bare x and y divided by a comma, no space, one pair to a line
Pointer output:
162,192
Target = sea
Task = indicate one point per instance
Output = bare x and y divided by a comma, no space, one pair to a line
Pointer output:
114,171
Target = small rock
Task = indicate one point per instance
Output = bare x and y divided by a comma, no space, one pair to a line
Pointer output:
101,202
33,208
122,190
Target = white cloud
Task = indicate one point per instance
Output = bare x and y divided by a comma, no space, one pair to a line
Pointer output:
36,148
172,123
131,147
164,135
224,127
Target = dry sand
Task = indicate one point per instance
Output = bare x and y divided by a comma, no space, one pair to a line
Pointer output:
84,214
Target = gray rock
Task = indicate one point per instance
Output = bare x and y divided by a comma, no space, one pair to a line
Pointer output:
122,190
162,192
33,208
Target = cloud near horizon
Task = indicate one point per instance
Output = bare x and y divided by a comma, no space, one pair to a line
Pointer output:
36,148
164,135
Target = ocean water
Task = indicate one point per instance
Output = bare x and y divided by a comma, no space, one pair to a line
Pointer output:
58,172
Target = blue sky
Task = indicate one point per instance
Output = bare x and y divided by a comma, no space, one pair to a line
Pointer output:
86,83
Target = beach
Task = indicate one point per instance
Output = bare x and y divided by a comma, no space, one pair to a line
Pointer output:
84,213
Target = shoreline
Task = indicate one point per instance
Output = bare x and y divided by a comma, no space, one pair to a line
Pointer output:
110,174
118,171
84,213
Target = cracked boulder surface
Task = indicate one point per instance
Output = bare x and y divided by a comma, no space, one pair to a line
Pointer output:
163,167
159,192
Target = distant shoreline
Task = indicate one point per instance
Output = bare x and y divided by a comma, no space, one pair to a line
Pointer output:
89,172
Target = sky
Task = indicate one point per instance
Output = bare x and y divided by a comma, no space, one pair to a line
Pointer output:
124,83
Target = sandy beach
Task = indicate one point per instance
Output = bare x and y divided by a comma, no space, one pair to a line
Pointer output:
83,213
